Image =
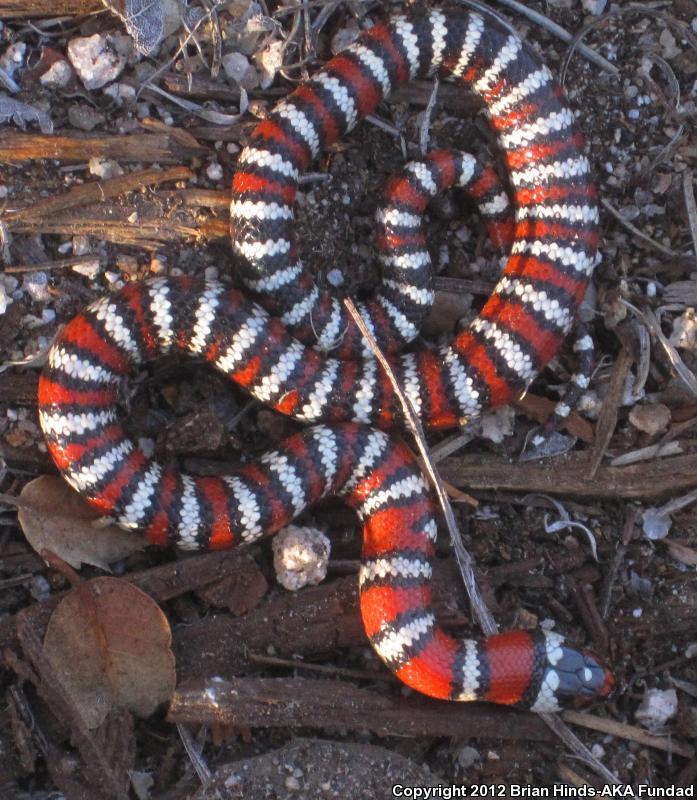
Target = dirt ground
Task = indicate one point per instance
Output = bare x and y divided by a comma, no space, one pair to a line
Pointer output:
279,694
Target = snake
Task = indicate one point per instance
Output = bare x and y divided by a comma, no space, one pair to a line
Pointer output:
291,345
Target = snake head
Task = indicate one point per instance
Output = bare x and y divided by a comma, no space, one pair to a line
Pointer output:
571,677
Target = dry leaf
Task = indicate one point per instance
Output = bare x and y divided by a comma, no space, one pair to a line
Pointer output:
109,644
56,518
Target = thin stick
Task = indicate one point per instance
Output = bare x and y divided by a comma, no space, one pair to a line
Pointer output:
484,617
690,205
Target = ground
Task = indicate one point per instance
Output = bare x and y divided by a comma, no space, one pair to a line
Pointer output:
162,174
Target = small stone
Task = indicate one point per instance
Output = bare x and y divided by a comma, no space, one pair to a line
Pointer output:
36,286
81,245
669,47
655,523
84,117
499,424
57,75
90,269
214,171
300,557
240,71
5,299
657,707
651,418
335,277
270,60
158,264
684,335
104,167
122,93
95,60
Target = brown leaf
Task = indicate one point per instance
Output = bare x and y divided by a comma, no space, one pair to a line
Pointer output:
109,643
56,518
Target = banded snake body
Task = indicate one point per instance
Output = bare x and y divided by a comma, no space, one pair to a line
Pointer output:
302,355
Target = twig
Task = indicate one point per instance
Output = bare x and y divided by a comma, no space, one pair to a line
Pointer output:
629,732
607,421
59,263
97,192
425,125
577,747
690,205
484,618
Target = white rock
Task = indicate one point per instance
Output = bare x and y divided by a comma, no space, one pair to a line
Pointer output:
57,75
95,60
335,277
214,171
684,333
90,269
655,523
36,285
5,299
270,60
657,707
123,93
300,557
240,71
498,425
104,167
81,245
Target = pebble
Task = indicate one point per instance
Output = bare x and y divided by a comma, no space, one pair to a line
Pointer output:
122,93
651,418
57,76
240,71
104,167
335,277
300,556
94,60
90,269
84,117
5,299
657,707
36,286
214,171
